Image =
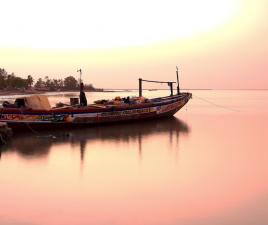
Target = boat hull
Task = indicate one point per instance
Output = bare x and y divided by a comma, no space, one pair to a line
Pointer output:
20,119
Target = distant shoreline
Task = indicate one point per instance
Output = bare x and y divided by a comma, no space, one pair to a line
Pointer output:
31,92
18,92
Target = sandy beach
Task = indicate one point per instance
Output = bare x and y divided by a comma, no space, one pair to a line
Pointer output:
20,92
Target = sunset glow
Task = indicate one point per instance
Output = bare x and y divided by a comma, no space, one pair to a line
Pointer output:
218,44
102,24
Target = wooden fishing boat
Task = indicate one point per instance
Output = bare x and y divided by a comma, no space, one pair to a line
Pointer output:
35,112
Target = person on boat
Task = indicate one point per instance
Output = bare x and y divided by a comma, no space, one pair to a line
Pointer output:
83,98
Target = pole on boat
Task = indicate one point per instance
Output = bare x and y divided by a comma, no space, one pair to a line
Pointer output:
170,84
178,83
140,87
80,71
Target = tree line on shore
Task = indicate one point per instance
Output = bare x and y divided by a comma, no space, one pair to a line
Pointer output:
13,82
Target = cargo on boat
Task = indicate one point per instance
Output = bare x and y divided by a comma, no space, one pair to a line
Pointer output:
36,112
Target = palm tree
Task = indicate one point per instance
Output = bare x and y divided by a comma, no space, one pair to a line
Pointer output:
29,81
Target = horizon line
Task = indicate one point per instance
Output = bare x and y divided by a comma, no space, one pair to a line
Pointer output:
201,89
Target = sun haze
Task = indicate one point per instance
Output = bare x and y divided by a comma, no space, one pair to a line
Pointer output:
115,42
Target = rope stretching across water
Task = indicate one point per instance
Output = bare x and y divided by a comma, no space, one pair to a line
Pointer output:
217,105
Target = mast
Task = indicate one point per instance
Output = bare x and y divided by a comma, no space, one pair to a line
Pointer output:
178,83
80,71
140,87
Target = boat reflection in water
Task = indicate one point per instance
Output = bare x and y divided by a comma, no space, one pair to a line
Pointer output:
36,145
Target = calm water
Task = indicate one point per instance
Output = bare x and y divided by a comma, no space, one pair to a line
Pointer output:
206,166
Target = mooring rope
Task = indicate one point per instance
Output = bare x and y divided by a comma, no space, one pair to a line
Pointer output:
215,104
35,131
2,139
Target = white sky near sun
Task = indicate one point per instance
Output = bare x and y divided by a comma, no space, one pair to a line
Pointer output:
74,24
217,43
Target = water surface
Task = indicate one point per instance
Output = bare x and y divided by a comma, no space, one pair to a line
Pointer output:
205,166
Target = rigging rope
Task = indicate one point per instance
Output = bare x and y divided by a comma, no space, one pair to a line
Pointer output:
35,131
217,105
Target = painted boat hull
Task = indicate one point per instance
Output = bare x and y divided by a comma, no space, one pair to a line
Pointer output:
85,116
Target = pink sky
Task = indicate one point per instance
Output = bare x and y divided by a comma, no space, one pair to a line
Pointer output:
232,55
